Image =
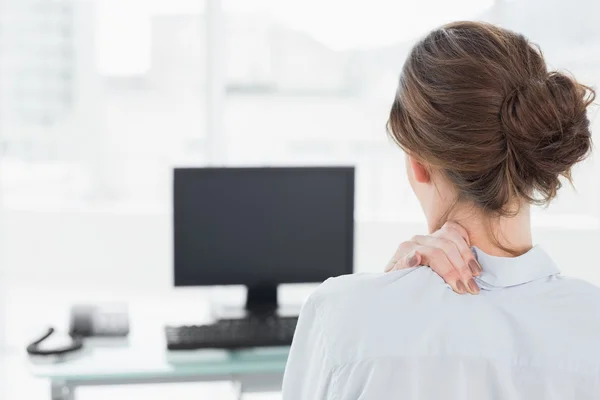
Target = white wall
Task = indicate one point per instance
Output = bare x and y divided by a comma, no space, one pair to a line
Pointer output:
107,250
3,264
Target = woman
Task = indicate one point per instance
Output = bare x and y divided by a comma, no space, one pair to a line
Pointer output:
487,131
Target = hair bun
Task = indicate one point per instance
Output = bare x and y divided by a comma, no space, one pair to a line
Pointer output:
476,102
547,131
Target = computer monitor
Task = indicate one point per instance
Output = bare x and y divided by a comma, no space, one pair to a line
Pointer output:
261,227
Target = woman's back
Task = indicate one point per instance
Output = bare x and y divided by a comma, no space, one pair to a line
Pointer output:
488,131
530,334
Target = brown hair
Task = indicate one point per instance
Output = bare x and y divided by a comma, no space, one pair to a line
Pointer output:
477,103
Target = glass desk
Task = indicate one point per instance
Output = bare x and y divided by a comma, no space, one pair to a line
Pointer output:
143,358
258,370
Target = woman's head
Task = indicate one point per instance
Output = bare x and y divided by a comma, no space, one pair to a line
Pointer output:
484,123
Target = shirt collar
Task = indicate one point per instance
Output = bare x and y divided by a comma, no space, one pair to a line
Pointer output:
502,272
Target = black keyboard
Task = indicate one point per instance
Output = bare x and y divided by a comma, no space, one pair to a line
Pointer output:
233,334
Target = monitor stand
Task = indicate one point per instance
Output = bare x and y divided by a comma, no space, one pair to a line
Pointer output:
261,302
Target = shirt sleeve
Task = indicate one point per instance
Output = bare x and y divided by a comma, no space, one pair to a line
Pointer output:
308,371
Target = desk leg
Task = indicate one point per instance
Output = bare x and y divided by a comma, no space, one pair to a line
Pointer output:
239,390
61,391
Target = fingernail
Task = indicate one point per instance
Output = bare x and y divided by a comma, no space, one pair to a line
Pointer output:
473,288
413,261
461,287
475,267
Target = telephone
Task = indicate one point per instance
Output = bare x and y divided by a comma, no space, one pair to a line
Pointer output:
86,321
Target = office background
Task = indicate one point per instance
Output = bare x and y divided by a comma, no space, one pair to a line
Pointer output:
100,99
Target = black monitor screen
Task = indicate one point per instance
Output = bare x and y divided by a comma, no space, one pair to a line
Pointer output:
261,226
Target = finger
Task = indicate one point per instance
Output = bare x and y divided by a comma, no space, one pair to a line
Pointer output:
458,228
454,256
468,256
450,248
437,260
404,249
470,267
449,229
410,260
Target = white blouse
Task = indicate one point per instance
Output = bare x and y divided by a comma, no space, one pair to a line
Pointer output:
530,334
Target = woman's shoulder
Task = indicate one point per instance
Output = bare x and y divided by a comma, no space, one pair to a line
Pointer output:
351,297
359,283
570,283
352,311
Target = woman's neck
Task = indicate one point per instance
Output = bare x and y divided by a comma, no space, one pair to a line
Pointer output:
502,236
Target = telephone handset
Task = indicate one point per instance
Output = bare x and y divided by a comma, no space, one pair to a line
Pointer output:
86,321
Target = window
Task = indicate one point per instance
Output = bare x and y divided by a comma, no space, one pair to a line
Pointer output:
99,99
